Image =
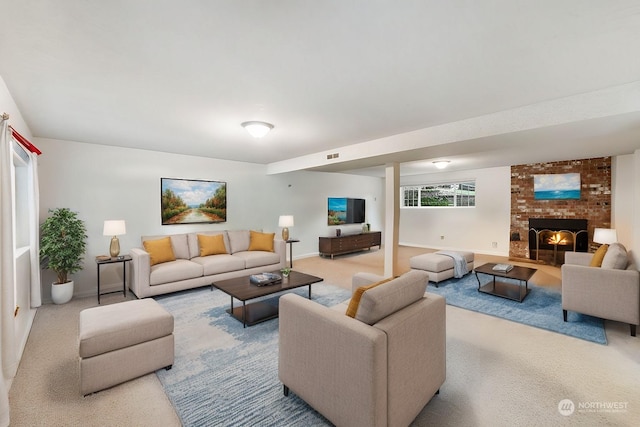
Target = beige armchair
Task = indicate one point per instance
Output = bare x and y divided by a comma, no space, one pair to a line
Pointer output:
381,371
612,294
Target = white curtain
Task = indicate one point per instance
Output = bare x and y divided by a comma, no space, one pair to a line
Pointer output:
34,230
7,273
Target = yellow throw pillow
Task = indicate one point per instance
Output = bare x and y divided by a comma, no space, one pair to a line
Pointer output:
357,295
596,261
211,245
160,250
261,241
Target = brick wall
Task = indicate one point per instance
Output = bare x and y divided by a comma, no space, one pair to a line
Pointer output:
594,204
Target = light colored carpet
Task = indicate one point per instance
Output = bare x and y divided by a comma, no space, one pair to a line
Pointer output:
499,373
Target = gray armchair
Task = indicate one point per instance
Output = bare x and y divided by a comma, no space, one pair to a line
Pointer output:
378,372
612,294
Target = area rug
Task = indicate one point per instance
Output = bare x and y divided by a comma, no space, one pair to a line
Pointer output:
542,308
227,375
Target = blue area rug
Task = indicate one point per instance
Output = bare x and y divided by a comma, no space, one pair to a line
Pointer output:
227,375
542,308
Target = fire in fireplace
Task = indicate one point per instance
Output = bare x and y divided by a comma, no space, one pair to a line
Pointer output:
548,236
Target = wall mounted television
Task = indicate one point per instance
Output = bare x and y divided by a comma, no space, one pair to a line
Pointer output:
343,210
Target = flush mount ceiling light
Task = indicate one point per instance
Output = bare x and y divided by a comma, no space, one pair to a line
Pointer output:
441,164
257,129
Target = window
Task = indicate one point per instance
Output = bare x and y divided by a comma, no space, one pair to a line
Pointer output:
451,194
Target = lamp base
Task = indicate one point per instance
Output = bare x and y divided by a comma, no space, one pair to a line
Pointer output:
285,234
114,249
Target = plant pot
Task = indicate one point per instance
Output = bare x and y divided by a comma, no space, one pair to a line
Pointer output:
62,293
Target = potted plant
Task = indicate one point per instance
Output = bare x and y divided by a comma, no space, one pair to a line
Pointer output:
62,247
285,272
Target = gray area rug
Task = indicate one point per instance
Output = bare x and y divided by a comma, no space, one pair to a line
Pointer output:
542,308
227,375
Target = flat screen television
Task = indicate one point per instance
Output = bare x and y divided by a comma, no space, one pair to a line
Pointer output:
343,210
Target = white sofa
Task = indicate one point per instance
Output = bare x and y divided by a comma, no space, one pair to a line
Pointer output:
190,270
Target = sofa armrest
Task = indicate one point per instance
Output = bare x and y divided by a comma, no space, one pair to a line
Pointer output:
280,247
578,258
335,363
140,272
416,333
602,292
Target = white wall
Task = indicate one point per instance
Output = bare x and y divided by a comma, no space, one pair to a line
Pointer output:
304,195
101,182
472,229
24,319
625,201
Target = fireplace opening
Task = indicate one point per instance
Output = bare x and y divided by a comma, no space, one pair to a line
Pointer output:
549,237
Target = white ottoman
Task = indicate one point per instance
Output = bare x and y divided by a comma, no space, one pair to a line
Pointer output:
123,341
439,267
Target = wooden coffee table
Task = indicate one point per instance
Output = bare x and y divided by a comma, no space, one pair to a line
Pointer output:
507,290
242,289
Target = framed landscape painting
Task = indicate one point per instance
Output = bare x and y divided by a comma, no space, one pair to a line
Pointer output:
192,201
560,186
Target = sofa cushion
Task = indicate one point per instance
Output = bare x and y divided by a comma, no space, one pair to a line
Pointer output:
354,302
174,271
384,300
178,244
159,250
616,257
194,246
216,264
598,256
238,240
211,245
258,258
261,241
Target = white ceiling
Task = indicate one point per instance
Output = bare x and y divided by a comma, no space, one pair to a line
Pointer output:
481,83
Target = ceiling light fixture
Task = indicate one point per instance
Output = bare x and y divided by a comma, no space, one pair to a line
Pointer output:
441,164
257,129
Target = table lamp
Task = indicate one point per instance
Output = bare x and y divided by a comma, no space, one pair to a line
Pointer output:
114,228
285,221
605,236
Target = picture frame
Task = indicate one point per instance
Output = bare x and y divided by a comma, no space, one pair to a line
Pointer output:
561,186
192,201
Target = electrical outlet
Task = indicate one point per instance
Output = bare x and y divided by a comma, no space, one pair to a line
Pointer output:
494,244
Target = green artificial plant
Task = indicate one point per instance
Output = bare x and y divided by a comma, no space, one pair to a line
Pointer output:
62,243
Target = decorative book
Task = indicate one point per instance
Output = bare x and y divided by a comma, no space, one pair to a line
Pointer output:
265,279
503,268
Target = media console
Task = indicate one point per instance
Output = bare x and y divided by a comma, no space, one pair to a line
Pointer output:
338,245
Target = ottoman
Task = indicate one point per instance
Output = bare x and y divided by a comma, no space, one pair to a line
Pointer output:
123,341
439,267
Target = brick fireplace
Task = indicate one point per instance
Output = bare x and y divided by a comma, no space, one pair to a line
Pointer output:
594,207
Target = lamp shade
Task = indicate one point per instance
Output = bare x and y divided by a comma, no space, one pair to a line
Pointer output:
285,221
114,228
605,235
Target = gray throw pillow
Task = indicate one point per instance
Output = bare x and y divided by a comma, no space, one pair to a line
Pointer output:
384,300
615,258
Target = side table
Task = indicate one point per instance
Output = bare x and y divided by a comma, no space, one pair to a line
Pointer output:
290,242
123,259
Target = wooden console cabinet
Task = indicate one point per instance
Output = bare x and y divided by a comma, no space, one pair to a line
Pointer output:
348,243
